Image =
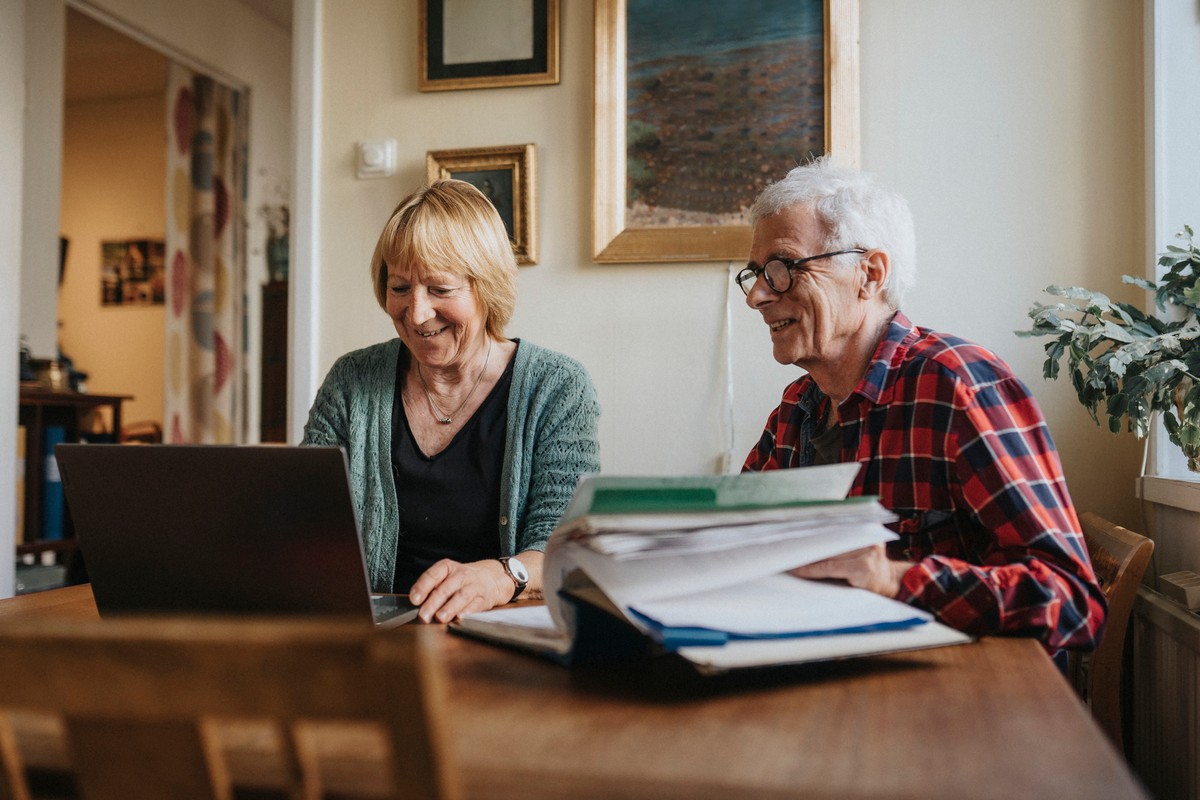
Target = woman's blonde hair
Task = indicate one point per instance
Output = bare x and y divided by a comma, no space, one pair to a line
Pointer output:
450,227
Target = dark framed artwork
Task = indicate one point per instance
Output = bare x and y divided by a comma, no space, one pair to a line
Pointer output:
483,44
133,272
699,104
507,176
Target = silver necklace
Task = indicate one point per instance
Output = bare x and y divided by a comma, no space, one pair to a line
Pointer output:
437,413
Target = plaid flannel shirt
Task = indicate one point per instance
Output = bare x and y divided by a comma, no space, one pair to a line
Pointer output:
953,443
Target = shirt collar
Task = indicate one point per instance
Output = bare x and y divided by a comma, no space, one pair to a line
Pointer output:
877,382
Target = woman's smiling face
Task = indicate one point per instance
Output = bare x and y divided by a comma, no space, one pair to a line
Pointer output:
437,315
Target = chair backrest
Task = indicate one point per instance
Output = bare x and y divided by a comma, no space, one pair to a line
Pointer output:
140,700
1119,558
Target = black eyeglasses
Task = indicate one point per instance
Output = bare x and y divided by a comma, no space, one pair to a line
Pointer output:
778,271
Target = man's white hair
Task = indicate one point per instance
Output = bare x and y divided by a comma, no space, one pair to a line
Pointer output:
855,211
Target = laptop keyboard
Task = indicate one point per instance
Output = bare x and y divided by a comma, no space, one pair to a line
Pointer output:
387,607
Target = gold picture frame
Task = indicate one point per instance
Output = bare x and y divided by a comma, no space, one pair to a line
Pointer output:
507,175
616,241
478,51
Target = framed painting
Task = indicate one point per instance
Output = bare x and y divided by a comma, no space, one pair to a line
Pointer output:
699,104
484,44
508,177
132,272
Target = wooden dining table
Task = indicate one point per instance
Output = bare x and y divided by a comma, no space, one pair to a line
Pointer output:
991,719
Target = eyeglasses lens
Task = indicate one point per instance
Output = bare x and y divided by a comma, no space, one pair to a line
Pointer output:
779,277
745,279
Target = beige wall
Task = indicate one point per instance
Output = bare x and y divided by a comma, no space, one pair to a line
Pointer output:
1013,128
114,179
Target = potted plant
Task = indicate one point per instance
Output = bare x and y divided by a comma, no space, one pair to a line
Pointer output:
1135,363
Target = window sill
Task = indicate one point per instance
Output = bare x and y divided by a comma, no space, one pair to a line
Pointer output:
1179,493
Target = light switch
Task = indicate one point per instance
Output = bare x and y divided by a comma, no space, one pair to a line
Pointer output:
376,158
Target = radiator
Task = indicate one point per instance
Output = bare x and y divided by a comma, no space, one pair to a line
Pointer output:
1164,740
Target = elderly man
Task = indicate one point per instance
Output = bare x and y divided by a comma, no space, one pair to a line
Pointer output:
948,438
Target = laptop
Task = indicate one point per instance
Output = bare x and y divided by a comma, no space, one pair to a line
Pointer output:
223,529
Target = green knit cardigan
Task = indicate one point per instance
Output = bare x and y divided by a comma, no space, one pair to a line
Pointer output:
550,442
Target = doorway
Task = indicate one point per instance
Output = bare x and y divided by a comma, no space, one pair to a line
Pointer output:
119,122
113,217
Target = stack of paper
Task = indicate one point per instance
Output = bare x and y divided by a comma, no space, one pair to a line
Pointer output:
698,566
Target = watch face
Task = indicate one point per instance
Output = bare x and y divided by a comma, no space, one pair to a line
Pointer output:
518,570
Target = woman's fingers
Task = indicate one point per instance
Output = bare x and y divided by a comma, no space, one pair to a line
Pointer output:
448,589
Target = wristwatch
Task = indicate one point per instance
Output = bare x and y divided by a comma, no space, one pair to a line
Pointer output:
516,570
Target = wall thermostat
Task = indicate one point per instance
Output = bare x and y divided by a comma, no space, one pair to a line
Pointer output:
376,158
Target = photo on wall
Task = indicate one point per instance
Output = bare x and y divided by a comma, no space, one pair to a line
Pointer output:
507,176
132,272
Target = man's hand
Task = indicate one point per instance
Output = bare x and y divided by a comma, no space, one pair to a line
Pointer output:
868,568
450,589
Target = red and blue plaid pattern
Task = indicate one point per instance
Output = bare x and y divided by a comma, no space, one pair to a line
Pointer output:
952,442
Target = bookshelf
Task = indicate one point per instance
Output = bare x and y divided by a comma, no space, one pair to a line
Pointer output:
41,410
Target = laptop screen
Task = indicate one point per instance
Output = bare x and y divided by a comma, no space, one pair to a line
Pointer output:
216,528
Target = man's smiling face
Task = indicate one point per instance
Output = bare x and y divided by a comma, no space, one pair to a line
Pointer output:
812,321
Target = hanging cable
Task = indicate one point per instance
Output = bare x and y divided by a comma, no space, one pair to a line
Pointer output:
728,462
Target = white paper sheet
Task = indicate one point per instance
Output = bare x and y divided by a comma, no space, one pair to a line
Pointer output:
628,583
778,605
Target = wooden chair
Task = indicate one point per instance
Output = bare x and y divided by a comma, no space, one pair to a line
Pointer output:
142,701
1119,557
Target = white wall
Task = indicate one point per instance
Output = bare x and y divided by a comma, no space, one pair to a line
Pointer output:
1013,128
114,170
12,102
45,29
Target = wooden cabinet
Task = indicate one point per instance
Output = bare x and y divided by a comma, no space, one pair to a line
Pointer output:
40,410
273,408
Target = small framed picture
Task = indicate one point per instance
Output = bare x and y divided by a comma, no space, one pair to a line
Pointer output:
132,272
484,44
508,177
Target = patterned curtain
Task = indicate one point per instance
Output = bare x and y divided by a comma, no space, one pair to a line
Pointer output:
206,247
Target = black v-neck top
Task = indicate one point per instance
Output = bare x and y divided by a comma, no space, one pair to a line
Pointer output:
449,502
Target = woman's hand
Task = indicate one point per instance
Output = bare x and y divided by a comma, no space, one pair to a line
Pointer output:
868,568
450,589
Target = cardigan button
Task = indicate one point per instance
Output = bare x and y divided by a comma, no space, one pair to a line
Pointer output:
503,520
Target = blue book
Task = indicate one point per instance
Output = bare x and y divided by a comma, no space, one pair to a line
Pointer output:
53,504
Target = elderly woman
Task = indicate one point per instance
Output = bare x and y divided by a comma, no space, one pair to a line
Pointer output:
464,446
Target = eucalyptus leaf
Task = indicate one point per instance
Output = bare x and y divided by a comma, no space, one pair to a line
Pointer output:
1117,333
1136,281
1078,293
